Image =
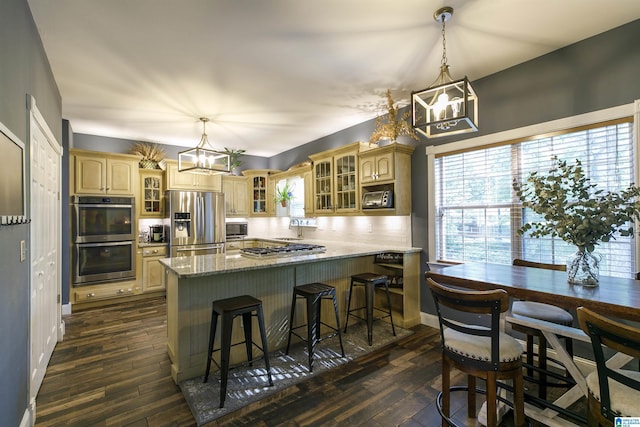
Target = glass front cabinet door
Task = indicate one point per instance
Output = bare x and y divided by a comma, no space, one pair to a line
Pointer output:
152,187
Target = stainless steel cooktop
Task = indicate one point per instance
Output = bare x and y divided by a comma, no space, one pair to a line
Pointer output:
291,249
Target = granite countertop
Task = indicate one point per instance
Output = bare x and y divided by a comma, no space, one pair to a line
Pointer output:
204,265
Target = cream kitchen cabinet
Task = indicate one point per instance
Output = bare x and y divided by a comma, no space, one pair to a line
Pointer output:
153,278
335,176
151,193
387,168
191,181
236,195
101,173
261,191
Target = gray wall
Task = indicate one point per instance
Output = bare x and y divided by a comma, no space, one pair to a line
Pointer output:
24,70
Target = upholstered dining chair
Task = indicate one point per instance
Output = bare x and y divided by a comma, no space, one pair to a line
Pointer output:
478,350
549,313
612,392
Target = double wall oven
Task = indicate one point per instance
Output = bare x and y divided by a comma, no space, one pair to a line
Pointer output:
103,232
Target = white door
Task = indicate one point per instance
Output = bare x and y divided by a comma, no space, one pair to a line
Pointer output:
45,247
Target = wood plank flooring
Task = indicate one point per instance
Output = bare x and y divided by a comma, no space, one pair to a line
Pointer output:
112,369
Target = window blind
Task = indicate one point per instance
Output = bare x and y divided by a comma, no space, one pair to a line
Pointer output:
478,213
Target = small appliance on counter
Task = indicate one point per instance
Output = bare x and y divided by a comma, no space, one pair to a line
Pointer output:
377,200
157,233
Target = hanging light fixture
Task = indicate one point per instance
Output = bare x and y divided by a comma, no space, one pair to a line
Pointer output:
203,159
447,107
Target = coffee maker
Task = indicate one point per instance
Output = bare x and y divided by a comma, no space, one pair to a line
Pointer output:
156,233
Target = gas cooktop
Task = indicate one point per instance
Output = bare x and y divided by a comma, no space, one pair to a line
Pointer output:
291,249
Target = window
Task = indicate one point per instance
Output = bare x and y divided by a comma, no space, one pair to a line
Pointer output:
478,214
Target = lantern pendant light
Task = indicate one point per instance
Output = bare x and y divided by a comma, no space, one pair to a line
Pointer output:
203,159
448,106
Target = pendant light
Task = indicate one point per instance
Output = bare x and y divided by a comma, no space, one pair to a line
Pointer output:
203,159
447,107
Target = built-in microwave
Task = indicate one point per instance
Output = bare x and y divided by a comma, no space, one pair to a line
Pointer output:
237,230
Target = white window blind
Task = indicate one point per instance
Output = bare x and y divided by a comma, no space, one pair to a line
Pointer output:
478,213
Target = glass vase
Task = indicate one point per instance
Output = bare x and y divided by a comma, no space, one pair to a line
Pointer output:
583,268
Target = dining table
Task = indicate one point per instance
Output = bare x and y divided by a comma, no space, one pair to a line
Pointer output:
613,297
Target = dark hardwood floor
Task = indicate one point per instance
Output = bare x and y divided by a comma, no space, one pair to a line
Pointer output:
112,369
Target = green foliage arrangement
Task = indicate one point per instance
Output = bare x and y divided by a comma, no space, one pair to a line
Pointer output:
284,194
574,210
234,157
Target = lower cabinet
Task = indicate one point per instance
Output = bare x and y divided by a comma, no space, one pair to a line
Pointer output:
84,295
152,270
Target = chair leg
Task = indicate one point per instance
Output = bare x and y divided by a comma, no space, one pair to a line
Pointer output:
335,309
265,349
369,290
293,312
530,355
446,393
518,401
227,319
248,336
542,363
492,395
471,396
346,321
212,336
393,328
311,330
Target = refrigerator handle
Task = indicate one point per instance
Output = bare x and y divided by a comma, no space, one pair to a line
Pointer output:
202,220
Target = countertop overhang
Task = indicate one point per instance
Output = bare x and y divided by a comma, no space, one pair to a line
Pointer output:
206,265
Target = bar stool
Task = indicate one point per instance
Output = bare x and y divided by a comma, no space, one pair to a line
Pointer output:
370,281
229,308
549,313
314,293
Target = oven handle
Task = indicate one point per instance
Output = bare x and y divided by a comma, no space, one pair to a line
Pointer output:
101,205
93,245
199,248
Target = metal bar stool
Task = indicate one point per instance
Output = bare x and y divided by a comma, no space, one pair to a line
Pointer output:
229,308
370,281
314,293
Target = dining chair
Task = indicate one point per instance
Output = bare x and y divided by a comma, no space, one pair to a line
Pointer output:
612,392
549,313
477,350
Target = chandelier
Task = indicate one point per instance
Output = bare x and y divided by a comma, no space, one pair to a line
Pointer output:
203,159
447,107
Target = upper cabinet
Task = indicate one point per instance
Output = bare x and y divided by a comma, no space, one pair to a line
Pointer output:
388,168
191,181
236,196
102,173
261,191
335,180
151,193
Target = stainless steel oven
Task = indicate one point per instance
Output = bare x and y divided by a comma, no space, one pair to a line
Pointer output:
102,219
103,262
103,239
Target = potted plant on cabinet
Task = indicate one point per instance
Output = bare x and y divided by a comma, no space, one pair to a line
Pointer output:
284,194
576,212
234,158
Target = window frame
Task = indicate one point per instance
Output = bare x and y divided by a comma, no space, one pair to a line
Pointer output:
521,134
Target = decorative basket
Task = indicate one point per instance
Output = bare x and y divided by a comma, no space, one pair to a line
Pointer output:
148,164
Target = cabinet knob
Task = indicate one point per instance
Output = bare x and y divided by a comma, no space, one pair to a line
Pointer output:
91,295
155,251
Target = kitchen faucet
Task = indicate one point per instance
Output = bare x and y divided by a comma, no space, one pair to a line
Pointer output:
297,222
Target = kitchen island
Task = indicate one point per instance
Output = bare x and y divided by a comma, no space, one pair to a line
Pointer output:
194,282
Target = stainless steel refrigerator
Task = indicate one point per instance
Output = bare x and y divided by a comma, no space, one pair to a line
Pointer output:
197,222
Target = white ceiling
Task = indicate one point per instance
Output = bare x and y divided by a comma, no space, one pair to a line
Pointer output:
275,74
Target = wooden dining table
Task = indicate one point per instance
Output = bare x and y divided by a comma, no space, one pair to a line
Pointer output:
613,297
